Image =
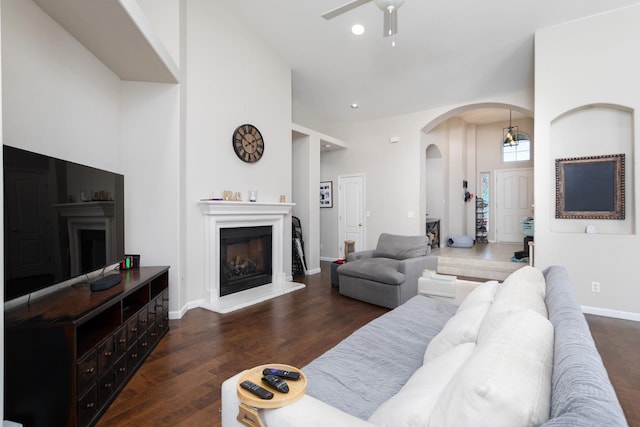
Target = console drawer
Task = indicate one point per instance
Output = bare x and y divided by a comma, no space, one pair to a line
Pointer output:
87,371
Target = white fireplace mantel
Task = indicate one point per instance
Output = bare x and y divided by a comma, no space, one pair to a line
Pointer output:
228,214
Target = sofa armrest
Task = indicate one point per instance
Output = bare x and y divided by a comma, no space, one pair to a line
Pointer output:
360,255
412,269
310,412
306,412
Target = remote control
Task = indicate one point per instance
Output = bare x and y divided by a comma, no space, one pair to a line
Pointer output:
276,383
289,375
254,388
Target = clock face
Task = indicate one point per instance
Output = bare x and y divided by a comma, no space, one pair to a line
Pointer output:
248,143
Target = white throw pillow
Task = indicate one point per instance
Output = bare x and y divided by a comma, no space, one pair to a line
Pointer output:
484,293
461,328
506,382
413,404
524,288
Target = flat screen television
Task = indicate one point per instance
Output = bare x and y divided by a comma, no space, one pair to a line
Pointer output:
62,220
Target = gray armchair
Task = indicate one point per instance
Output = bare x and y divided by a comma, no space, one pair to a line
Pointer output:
388,275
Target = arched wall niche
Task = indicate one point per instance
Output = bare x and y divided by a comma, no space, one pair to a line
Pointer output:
595,130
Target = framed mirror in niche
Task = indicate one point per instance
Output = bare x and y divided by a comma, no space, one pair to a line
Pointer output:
591,187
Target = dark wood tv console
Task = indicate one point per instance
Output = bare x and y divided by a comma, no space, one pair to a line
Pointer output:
70,353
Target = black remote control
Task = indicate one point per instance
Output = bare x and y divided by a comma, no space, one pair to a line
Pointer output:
254,388
289,375
276,383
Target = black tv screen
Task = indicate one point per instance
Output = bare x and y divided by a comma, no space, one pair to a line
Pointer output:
61,220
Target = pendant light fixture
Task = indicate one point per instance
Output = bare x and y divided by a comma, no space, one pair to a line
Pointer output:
510,134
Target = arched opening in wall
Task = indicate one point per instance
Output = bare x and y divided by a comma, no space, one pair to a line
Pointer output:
469,140
434,185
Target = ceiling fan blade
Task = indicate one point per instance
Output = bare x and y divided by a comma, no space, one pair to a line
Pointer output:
344,8
390,23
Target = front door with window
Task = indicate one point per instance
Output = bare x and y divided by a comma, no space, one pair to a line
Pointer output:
514,202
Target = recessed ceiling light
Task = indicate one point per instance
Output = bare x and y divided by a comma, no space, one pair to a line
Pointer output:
327,145
357,30
354,106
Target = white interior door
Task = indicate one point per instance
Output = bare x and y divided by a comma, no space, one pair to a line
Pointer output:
351,208
514,202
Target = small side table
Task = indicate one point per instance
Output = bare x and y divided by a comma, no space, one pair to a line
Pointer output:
335,278
250,403
433,227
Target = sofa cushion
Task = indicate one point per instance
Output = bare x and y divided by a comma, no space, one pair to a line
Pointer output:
383,270
401,247
482,294
524,288
506,381
461,328
413,404
354,375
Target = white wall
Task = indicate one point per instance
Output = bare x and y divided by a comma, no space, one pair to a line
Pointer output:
588,63
232,78
59,99
150,141
392,174
163,16
306,175
396,173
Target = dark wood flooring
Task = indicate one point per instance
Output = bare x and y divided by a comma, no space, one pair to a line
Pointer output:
179,384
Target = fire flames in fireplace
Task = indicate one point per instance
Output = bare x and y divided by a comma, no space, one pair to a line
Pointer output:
238,267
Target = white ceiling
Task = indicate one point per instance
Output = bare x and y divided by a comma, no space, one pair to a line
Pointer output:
447,51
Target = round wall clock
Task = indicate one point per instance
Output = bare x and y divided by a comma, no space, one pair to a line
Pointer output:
248,143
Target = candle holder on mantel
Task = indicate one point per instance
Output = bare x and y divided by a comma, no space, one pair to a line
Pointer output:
253,195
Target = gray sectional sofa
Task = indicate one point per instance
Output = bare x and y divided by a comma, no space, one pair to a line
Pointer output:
511,354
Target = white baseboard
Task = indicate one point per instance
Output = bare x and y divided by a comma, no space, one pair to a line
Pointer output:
616,314
178,314
326,258
312,271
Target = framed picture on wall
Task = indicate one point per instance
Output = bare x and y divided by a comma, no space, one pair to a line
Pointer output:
590,187
326,194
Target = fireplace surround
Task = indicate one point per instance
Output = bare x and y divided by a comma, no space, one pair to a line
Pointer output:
222,215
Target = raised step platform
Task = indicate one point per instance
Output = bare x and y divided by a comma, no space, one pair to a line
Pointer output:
477,268
486,261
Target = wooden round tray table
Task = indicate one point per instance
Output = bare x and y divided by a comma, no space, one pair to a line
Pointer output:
250,403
